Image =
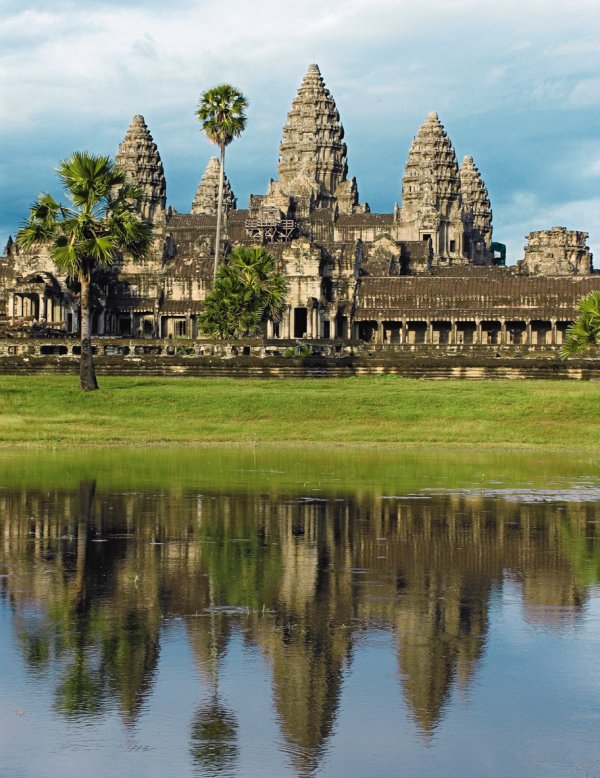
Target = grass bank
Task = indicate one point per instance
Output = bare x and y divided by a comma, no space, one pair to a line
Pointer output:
45,411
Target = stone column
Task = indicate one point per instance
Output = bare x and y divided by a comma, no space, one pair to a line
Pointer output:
478,331
554,339
379,331
429,332
503,331
453,331
131,324
528,332
287,316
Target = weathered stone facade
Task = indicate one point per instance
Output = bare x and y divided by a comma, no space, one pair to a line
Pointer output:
431,196
558,251
207,196
421,275
139,157
313,157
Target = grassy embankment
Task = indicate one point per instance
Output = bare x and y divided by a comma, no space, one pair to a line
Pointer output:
45,411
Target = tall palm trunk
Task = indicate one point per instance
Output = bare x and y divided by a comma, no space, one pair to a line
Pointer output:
219,212
85,499
87,373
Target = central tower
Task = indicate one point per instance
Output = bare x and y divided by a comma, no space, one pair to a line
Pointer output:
312,154
313,163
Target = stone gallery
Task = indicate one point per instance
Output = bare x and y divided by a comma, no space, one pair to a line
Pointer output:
426,273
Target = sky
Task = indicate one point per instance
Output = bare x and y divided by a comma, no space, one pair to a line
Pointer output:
516,84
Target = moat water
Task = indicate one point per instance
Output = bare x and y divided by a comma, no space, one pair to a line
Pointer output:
290,613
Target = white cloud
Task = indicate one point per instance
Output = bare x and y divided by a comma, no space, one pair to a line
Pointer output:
526,213
509,80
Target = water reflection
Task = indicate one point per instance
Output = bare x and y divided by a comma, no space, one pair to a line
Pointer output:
95,576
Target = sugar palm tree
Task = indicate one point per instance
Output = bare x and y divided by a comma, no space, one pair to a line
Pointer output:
100,222
247,291
584,333
257,269
222,112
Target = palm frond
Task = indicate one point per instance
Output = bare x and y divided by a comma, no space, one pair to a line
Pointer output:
247,291
222,112
101,222
584,332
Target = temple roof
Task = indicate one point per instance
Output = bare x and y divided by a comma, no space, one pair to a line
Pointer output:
207,196
475,199
139,157
431,176
470,294
312,155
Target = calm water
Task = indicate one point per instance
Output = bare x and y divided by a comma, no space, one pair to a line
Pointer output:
280,613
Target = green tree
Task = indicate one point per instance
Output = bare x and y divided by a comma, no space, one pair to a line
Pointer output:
222,112
100,222
584,333
247,291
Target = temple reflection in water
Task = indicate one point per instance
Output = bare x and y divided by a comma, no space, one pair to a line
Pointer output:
94,578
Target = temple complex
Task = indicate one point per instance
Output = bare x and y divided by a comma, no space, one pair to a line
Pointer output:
426,273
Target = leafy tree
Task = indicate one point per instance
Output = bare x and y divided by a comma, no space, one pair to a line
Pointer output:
584,333
222,111
100,222
247,291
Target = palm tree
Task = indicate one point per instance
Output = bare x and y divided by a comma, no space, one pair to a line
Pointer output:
247,291
257,269
100,222
222,111
584,333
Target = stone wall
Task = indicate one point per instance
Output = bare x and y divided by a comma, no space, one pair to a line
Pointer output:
290,359
558,251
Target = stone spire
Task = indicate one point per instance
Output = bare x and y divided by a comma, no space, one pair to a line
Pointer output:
476,202
431,200
431,176
312,155
207,196
139,157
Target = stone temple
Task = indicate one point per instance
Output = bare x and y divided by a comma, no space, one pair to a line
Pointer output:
425,273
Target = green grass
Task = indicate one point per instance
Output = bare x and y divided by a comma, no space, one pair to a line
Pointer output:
51,411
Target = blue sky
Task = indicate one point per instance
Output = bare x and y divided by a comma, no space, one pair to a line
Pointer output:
516,84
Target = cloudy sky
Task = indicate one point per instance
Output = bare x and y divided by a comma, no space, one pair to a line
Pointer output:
516,84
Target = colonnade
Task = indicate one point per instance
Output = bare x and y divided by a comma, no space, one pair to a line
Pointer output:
309,323
34,305
463,331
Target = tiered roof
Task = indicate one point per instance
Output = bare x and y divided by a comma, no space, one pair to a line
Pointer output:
139,157
475,198
312,155
431,177
207,195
